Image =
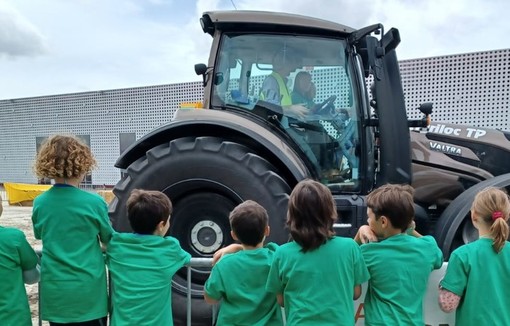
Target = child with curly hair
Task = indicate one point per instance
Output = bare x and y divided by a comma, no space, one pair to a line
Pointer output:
317,275
476,281
18,265
72,224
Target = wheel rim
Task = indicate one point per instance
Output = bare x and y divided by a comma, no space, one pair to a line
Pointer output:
206,236
200,223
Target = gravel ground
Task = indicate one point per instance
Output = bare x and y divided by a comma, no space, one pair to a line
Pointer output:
20,218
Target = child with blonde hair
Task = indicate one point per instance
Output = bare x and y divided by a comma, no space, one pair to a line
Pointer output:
477,282
72,224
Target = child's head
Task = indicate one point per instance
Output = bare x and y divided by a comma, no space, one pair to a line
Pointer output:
492,207
303,82
149,212
390,208
311,214
64,157
249,223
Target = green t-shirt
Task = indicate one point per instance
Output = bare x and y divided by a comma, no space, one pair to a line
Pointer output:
16,256
399,268
482,278
70,223
239,280
141,270
318,286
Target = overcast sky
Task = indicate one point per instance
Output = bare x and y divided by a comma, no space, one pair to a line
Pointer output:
64,46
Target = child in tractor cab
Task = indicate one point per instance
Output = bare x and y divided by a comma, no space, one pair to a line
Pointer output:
238,280
400,262
142,263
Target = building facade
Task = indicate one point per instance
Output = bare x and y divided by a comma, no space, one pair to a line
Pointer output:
471,89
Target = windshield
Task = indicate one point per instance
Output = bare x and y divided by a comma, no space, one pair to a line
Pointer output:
308,77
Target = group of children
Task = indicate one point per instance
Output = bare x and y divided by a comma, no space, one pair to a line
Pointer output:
315,276
77,236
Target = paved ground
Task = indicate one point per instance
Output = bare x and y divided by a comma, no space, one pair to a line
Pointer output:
20,218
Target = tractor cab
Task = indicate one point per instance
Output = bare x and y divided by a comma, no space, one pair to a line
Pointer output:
305,85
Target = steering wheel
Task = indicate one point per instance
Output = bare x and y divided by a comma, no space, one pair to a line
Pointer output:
326,107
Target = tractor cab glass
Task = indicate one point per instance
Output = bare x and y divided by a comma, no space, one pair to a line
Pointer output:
309,80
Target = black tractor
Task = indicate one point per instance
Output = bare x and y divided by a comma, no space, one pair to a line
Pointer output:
253,139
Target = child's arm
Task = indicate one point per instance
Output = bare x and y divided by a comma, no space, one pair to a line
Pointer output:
279,298
365,235
357,292
209,300
29,261
230,249
214,288
105,226
448,301
32,276
412,231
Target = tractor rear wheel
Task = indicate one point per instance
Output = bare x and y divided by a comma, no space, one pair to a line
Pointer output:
205,178
454,227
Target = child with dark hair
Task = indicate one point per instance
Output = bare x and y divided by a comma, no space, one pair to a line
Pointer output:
18,265
477,280
72,224
142,263
304,90
317,275
400,263
238,280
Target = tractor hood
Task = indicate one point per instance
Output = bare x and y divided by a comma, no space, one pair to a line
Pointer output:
478,151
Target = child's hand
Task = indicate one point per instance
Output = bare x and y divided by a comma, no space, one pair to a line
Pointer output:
366,235
230,249
411,227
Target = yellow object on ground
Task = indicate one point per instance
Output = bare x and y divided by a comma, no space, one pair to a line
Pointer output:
107,195
22,192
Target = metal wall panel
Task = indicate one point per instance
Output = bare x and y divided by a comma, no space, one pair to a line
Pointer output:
470,88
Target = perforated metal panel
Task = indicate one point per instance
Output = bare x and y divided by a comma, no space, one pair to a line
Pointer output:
103,115
471,89
468,89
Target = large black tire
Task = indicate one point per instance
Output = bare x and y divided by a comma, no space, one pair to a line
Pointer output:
205,177
454,227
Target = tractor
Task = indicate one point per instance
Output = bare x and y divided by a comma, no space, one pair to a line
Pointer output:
243,144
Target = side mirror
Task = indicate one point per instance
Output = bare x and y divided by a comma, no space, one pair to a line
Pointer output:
201,69
426,108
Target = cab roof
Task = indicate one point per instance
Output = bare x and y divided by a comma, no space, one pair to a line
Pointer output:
246,20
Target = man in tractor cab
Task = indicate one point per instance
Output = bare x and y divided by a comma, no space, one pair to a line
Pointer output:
275,89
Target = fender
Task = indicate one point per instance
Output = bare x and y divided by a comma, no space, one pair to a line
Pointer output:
453,216
236,127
